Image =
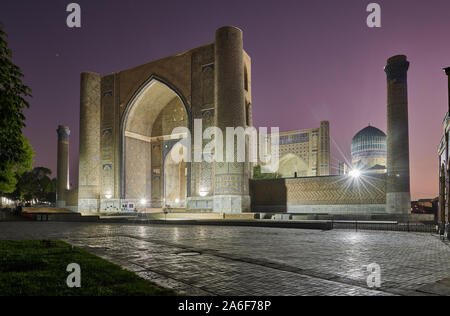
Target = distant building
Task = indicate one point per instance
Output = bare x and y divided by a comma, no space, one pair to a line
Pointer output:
305,153
424,206
369,151
343,168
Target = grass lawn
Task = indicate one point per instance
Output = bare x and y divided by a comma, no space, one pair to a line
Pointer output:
38,267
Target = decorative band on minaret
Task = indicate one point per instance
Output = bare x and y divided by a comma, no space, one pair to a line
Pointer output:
398,197
62,172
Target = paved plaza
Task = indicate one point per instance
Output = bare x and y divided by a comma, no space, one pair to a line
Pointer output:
213,260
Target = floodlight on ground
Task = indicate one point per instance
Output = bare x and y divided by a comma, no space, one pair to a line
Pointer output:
355,173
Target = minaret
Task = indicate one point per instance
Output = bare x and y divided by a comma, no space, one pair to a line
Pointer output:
398,197
62,172
323,158
231,180
89,153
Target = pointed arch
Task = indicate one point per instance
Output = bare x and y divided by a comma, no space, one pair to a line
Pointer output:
137,122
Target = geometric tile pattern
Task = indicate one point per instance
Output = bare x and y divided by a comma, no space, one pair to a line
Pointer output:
327,190
337,190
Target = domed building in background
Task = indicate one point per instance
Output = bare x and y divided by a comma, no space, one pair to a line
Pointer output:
369,153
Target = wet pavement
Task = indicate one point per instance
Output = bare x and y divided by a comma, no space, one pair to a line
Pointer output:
214,260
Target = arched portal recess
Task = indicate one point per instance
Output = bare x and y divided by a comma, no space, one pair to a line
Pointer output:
147,126
291,164
175,175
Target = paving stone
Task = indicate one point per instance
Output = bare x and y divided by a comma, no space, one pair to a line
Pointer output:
259,261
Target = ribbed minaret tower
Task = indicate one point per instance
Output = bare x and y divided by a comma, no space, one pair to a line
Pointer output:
62,169
231,180
398,197
89,154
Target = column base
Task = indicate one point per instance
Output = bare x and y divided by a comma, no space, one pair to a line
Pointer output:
88,205
60,204
398,203
200,203
110,205
231,203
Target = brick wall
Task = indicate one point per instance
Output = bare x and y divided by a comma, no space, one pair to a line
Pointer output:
334,193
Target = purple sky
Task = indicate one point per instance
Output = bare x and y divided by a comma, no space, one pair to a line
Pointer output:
311,61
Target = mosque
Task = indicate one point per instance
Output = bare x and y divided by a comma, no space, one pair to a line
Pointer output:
304,153
126,145
369,150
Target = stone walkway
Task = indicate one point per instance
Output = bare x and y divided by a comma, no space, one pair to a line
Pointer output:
212,260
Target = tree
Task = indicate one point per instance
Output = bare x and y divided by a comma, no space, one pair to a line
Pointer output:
35,185
10,175
15,150
257,174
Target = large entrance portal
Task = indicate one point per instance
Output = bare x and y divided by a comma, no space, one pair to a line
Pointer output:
150,175
127,118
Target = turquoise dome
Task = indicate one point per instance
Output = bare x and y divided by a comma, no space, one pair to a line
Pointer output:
369,142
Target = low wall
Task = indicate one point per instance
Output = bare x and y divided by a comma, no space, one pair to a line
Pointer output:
400,218
46,210
199,216
320,195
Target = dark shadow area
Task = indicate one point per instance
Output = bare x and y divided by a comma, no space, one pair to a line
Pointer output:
268,195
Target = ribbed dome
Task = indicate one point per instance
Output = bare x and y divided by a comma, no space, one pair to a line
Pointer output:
368,131
369,148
